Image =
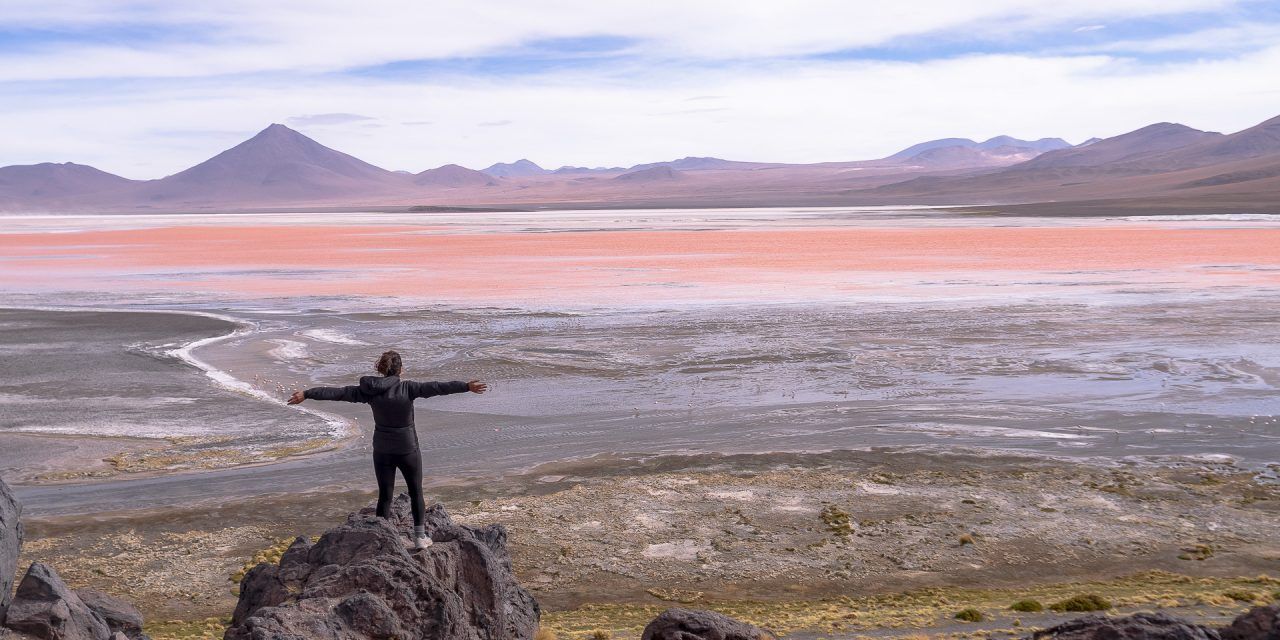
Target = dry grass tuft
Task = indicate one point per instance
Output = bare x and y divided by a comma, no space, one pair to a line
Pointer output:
1027,606
1081,603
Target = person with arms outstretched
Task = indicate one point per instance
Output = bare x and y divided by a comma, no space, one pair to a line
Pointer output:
395,440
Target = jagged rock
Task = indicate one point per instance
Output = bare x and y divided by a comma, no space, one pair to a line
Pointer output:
1259,623
121,617
1139,626
697,624
260,587
360,581
44,607
293,564
10,544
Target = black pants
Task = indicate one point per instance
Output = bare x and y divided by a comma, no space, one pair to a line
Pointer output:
410,466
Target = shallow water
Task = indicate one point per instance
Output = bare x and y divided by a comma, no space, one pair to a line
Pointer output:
1120,365
105,373
1197,378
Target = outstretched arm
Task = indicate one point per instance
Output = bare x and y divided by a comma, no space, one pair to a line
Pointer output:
345,394
428,389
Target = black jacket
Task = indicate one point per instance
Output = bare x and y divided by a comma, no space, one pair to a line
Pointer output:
392,402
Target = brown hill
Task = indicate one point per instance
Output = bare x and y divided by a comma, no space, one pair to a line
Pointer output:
453,176
521,168
962,156
661,173
703,164
52,182
1125,148
1261,140
1034,146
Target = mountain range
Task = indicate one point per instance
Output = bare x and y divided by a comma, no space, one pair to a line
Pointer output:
1163,166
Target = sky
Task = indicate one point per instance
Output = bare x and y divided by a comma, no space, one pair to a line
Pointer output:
147,88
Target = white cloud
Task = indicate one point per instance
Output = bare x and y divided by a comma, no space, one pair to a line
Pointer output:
1234,38
777,112
244,36
705,78
320,119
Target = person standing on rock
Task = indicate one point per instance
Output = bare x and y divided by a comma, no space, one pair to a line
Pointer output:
395,440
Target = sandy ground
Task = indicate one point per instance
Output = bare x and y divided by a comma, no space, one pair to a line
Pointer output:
797,542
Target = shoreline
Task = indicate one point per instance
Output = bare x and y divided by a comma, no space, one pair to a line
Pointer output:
147,456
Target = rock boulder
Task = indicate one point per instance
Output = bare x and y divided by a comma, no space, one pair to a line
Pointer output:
1139,626
45,608
696,624
121,617
361,581
10,543
1259,623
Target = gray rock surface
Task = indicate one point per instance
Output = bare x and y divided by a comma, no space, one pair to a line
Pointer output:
10,543
121,617
44,607
1259,623
697,624
1139,626
361,581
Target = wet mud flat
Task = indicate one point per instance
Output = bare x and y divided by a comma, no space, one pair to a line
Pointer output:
1199,379
843,543
98,393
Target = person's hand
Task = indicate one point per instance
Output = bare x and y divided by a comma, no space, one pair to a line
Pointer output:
297,397
475,386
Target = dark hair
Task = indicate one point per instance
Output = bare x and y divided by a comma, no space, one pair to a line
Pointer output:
389,364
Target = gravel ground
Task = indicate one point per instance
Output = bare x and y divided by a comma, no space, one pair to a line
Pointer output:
777,530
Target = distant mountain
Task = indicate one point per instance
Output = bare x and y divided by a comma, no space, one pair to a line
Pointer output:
568,169
917,149
454,176
1128,147
1042,145
1169,163
1159,167
958,156
652,174
49,180
521,168
692,163
1089,142
276,164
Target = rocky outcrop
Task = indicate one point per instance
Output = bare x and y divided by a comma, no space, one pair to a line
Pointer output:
1259,623
360,581
121,617
44,607
10,543
1139,626
696,624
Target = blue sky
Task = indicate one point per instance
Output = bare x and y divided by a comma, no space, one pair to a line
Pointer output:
148,88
